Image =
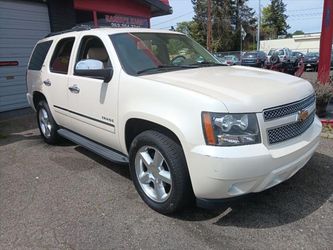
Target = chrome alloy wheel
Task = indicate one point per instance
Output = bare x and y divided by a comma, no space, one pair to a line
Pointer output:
153,173
44,122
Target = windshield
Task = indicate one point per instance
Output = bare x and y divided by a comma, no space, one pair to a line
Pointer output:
271,52
312,54
279,52
153,52
250,54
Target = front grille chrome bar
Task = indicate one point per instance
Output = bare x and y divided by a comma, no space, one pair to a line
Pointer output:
287,109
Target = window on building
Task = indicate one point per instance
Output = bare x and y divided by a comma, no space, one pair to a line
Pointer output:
62,53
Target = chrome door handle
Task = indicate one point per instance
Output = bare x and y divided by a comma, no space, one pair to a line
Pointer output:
47,82
74,89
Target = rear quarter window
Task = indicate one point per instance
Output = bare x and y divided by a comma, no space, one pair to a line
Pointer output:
39,54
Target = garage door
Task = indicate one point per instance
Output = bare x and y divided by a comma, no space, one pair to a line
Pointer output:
22,24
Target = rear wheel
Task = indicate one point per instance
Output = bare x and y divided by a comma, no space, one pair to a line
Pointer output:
47,126
159,172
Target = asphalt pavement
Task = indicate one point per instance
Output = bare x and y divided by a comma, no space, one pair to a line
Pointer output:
64,197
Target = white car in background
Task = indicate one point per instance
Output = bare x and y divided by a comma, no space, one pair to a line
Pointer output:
284,54
189,127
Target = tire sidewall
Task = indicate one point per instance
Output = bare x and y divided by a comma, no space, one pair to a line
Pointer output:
54,127
172,204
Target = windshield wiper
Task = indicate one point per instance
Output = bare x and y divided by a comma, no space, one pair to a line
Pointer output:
165,67
205,63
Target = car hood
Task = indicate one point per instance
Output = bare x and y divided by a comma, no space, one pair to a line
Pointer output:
311,58
241,89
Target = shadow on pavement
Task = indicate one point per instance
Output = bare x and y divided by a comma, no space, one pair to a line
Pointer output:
17,129
120,169
288,202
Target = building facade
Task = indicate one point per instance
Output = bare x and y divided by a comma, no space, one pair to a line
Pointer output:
302,43
23,23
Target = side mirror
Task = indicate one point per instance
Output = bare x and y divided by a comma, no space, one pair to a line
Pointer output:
93,68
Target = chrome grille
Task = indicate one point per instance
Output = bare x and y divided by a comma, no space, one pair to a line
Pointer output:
289,131
284,110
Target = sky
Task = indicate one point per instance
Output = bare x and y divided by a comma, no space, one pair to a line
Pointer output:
303,15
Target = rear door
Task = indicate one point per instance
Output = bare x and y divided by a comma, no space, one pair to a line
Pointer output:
55,78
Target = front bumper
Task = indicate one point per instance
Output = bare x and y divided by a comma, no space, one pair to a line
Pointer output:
250,64
310,64
225,172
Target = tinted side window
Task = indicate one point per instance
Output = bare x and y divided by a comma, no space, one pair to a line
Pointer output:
62,53
38,56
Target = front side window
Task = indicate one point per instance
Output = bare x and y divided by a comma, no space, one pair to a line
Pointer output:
152,52
62,53
92,47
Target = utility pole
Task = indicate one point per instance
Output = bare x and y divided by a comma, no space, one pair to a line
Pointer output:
258,29
326,41
209,25
240,28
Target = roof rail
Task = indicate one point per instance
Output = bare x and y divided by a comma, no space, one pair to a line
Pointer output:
80,27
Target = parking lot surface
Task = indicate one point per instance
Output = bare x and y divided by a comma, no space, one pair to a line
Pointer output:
64,197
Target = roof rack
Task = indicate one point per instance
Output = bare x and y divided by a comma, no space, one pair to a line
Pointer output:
80,27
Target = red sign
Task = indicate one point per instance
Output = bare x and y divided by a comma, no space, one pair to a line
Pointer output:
326,43
124,21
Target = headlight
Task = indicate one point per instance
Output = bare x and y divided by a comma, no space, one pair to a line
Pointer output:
230,129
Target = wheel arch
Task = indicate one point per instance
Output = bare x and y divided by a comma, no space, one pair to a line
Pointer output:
37,97
135,126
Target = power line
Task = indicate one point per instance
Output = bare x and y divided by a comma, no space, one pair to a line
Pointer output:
174,18
297,16
301,10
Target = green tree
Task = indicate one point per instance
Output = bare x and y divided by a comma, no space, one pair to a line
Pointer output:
184,27
247,21
274,20
228,16
298,32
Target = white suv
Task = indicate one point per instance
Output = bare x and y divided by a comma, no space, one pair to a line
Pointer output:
187,126
281,55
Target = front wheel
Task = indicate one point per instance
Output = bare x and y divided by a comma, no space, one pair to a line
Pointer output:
159,172
47,125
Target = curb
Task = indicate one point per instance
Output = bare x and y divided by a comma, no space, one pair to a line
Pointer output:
326,133
327,121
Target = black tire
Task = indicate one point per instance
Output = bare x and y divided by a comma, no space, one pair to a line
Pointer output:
315,68
274,59
181,194
52,137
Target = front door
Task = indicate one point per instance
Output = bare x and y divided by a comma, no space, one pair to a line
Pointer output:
93,102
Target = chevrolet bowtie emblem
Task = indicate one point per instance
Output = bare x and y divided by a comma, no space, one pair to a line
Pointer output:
302,115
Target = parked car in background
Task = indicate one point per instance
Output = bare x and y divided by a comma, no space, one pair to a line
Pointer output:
229,60
296,55
284,54
311,61
254,59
